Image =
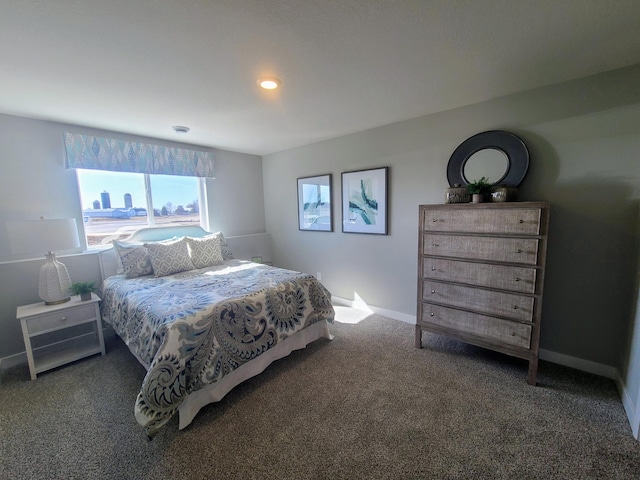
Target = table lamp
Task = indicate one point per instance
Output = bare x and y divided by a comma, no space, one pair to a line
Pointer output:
44,236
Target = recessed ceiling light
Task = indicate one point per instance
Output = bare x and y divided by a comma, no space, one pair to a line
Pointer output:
269,83
180,129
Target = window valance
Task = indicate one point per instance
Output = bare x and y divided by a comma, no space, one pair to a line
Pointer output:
97,153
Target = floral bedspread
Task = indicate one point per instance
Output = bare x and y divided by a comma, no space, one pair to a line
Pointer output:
190,329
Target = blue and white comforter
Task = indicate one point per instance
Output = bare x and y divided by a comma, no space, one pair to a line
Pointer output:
191,329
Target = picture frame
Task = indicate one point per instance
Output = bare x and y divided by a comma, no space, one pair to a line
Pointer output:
364,201
315,203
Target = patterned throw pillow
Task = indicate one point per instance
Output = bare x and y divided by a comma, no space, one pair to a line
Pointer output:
168,258
132,259
205,251
226,251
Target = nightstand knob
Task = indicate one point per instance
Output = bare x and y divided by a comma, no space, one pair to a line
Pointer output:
519,251
435,220
432,314
63,318
515,307
433,269
520,221
433,291
517,279
434,244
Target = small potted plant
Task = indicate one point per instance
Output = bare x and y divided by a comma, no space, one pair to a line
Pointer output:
480,190
84,289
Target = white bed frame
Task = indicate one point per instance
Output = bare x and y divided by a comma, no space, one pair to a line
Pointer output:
242,247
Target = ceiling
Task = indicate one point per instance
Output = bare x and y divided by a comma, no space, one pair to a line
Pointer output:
346,65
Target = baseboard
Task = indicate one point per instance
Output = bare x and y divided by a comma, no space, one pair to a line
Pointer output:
359,305
547,355
630,409
588,366
13,360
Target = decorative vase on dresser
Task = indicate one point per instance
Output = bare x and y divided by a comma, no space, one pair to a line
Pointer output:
481,275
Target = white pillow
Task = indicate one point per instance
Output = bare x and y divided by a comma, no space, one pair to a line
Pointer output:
205,251
168,258
226,251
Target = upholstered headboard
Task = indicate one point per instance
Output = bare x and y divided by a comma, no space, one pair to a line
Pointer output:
243,247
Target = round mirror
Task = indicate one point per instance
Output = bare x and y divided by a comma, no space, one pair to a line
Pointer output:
488,162
500,156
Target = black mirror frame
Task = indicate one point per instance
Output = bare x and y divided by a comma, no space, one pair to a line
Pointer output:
512,146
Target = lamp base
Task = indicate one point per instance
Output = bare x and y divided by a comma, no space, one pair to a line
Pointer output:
57,302
54,281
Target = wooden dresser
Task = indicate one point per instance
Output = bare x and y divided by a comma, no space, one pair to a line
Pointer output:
481,273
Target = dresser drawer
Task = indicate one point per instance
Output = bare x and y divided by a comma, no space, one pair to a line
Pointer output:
517,307
519,221
508,250
60,319
492,329
505,277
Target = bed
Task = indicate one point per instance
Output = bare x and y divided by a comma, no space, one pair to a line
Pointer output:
201,331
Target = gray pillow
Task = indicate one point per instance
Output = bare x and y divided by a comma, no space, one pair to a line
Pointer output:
205,251
168,258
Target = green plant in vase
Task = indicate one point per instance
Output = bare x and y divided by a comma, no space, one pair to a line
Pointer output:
480,190
84,289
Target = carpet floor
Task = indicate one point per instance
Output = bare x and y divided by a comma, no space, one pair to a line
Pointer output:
366,405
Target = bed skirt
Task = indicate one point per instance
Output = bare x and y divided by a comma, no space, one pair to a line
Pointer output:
216,391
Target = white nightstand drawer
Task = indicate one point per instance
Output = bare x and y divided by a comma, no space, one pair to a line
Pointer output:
61,319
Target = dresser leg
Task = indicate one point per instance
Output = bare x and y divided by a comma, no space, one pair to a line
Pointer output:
418,336
532,378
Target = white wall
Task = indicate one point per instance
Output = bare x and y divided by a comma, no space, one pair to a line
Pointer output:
584,140
34,182
631,369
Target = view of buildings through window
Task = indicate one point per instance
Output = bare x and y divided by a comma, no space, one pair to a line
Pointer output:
115,204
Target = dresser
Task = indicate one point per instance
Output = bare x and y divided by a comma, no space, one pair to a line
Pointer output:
481,275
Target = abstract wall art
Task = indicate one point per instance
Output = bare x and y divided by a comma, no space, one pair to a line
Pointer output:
364,201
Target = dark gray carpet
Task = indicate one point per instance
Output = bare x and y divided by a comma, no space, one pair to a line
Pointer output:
365,405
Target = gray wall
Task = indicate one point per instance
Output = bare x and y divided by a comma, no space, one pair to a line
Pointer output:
584,140
34,182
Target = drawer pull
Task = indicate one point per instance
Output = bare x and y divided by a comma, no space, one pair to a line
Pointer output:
433,291
517,279
432,314
519,250
63,318
433,269
520,221
515,307
435,220
434,244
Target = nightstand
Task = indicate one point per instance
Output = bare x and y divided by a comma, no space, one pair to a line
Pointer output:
49,338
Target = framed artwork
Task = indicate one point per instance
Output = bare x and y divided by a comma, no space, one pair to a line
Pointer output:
364,201
314,204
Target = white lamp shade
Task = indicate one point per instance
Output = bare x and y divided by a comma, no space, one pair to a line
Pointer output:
44,237
41,236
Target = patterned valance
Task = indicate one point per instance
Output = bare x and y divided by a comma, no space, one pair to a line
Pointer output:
97,153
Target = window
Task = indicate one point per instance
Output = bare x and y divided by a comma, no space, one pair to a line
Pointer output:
114,204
